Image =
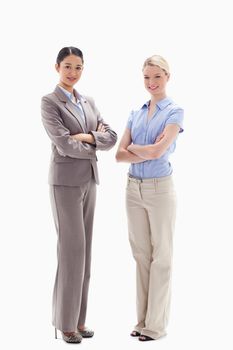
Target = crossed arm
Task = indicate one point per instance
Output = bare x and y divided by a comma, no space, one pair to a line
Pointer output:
75,146
104,138
89,138
132,153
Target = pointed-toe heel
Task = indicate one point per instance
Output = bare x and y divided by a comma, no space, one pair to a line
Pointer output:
86,332
72,337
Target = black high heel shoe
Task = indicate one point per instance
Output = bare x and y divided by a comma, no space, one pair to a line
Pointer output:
135,334
145,338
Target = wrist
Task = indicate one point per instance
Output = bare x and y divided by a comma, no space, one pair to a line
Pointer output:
130,147
91,138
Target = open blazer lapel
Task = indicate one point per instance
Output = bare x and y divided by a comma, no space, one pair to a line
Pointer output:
70,107
91,118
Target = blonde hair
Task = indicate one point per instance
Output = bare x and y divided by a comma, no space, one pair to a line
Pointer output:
157,60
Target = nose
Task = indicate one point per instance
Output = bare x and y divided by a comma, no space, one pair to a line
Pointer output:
151,85
73,72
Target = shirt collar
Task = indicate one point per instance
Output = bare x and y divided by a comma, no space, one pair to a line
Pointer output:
161,104
70,95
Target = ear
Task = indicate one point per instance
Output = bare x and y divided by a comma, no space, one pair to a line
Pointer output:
57,67
168,76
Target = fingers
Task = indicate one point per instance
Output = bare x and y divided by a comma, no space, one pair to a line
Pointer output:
101,128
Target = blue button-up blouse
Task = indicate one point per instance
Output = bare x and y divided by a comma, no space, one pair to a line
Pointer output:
144,132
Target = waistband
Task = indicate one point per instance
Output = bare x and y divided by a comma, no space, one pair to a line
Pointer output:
150,180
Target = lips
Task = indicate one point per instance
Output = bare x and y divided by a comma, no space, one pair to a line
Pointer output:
153,88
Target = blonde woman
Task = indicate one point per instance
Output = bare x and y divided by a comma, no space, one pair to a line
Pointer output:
149,139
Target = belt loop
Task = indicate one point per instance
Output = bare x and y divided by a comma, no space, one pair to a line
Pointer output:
155,183
140,187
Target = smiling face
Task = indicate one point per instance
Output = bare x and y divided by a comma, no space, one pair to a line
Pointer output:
155,80
70,71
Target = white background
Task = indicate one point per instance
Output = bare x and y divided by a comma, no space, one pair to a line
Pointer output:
116,37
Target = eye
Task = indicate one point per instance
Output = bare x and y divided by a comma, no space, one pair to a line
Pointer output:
158,76
79,68
146,77
67,67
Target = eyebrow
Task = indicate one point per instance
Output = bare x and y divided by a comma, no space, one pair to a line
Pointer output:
145,75
78,65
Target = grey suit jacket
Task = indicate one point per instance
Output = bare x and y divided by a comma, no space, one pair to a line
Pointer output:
73,162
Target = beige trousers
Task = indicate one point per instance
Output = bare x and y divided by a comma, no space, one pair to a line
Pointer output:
151,208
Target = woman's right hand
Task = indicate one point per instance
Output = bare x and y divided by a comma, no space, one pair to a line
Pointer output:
83,138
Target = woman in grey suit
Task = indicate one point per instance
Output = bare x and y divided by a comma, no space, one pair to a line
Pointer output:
77,131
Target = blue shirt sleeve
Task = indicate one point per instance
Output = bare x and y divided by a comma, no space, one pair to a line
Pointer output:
130,120
176,117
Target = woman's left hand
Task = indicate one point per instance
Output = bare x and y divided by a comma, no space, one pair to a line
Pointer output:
101,128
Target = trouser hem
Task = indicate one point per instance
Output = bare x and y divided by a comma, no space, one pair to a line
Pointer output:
154,335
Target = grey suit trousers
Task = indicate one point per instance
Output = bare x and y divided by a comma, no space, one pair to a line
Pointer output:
73,211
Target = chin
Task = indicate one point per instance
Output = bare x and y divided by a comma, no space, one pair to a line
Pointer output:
70,82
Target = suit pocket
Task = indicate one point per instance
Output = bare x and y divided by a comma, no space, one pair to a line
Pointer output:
61,159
